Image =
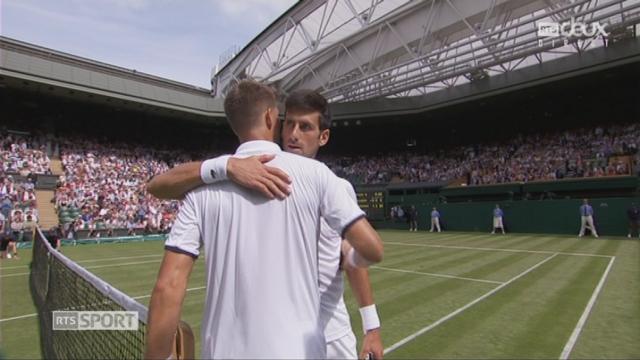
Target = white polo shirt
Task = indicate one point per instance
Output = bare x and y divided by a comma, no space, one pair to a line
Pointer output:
262,258
334,316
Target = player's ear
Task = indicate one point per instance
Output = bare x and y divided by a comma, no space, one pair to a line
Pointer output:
269,120
324,136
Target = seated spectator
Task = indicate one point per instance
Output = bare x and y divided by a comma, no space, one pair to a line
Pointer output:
17,225
29,227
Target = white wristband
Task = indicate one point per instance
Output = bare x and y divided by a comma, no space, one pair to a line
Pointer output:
214,170
370,319
354,259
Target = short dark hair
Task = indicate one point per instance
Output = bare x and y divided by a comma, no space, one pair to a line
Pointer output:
246,101
310,101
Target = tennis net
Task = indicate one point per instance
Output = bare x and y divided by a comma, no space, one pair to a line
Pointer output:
59,284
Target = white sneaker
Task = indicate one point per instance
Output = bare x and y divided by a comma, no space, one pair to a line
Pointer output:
629,236
493,232
596,235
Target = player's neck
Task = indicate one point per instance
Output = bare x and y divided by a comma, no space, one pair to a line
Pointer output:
256,135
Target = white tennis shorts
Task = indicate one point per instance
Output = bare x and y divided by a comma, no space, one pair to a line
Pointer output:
343,348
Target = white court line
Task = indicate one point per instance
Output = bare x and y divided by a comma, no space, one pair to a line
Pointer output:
499,249
94,267
119,258
18,317
189,289
136,297
585,315
91,260
437,275
465,307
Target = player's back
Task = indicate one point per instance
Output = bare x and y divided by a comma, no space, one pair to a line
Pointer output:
261,261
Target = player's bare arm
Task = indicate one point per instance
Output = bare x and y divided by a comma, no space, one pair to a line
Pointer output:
166,304
361,288
177,182
365,240
249,172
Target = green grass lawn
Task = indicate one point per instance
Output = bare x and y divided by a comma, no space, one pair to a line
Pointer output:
448,295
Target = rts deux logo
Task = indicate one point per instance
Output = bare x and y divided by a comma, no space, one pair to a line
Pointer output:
569,29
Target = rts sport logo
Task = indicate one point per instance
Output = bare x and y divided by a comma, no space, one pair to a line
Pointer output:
569,29
95,320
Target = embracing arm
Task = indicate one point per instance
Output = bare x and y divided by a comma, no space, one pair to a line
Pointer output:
176,182
249,172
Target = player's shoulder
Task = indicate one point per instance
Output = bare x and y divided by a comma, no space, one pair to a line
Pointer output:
309,166
299,159
202,192
345,183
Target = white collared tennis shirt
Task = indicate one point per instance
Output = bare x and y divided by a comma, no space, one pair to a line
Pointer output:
334,316
261,258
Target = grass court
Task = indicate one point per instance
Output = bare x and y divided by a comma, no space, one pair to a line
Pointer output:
446,295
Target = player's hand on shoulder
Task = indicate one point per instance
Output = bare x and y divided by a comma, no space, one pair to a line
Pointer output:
252,173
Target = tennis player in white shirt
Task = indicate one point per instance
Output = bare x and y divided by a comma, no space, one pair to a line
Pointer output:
262,270
306,128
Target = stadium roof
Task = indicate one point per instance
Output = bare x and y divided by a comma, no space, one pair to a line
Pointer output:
354,50
39,69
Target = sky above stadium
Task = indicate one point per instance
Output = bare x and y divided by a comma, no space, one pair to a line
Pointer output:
177,39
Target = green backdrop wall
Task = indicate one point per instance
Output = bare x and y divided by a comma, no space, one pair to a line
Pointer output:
611,197
526,216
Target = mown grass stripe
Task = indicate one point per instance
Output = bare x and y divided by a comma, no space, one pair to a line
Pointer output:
502,267
91,260
134,297
435,275
436,256
566,351
553,306
534,242
96,266
496,249
397,285
429,291
465,307
490,240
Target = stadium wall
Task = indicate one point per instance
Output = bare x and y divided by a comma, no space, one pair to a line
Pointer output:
521,215
525,216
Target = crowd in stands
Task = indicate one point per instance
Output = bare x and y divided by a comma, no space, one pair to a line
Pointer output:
103,188
583,153
103,185
24,154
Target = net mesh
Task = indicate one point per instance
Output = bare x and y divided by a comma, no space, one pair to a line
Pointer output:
57,283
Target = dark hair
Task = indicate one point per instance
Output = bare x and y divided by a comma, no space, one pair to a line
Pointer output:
310,101
246,101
